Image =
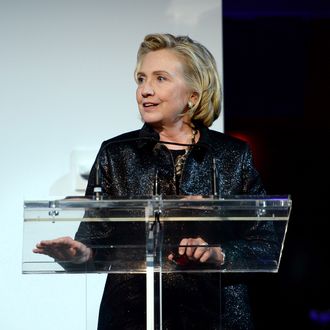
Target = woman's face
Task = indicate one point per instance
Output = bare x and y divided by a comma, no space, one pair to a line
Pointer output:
162,93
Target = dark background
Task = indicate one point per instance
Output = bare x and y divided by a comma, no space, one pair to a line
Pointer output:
276,96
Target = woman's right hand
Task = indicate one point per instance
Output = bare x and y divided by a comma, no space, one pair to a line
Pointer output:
65,249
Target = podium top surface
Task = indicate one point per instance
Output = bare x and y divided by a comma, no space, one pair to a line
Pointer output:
222,222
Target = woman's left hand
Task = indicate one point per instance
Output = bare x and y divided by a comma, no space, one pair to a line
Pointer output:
197,250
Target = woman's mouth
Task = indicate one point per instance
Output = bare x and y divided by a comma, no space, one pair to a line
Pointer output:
149,105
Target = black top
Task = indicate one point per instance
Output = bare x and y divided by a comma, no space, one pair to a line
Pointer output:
128,165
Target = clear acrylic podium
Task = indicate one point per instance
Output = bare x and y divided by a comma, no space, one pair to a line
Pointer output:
144,238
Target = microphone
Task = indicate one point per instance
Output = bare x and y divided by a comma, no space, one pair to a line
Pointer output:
215,190
156,190
98,195
98,191
214,172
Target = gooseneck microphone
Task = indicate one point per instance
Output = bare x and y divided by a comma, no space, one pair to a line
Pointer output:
156,189
214,180
98,191
98,195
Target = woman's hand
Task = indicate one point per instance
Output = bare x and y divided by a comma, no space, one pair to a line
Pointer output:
64,249
197,250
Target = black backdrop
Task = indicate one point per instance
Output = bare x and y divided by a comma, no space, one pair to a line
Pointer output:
276,96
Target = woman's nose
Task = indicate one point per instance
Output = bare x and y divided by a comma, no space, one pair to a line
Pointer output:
147,89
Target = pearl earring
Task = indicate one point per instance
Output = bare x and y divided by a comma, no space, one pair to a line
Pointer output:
190,104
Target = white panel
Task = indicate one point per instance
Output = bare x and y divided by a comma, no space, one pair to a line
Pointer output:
66,84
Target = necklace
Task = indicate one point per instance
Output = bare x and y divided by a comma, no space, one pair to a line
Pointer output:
180,160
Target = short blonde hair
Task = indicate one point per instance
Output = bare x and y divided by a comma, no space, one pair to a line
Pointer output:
200,72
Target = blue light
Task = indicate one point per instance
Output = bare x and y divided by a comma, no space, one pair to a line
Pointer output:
320,317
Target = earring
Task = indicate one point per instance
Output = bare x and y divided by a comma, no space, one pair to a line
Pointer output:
190,104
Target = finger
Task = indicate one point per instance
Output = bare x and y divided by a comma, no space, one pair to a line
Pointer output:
57,241
43,243
182,246
39,251
39,246
206,255
56,251
190,250
47,244
200,249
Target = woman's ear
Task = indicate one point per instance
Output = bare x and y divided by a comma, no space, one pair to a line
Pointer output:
193,98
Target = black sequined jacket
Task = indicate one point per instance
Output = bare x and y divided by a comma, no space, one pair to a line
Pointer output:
128,165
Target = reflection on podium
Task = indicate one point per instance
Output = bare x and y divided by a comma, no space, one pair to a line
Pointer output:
143,236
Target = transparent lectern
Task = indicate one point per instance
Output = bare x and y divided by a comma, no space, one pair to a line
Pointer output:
138,235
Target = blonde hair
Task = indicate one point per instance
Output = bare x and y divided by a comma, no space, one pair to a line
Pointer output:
200,72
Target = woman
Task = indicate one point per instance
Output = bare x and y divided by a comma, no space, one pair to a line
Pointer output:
178,95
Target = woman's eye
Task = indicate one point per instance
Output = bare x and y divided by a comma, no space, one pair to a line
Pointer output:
140,80
161,78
